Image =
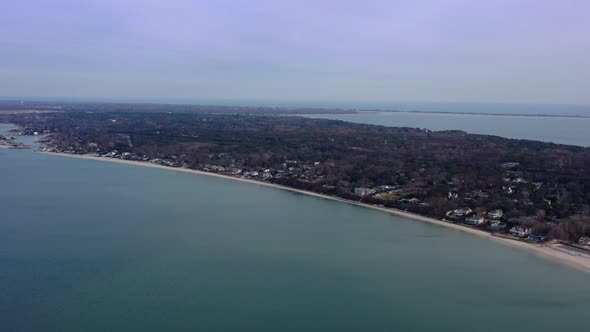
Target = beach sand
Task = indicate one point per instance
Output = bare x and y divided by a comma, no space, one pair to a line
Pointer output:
551,251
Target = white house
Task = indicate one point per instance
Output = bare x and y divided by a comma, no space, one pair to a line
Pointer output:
496,225
495,214
519,231
475,220
364,191
460,213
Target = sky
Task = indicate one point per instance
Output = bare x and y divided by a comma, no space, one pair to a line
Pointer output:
504,51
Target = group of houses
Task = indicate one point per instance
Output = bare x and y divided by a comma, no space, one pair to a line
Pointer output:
494,219
471,218
378,191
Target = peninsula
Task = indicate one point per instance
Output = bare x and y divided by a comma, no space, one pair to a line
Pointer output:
515,189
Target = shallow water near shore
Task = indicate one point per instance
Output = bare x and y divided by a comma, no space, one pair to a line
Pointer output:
93,246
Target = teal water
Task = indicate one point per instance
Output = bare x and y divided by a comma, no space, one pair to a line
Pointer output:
96,246
563,130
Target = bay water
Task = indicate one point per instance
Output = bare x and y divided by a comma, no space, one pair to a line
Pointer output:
563,130
96,246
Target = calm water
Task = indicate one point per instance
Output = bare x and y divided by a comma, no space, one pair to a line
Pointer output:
95,246
572,131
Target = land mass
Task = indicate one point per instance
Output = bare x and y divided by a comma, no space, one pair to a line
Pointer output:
516,189
11,143
12,107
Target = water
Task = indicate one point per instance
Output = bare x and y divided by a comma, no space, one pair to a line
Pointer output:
563,130
481,108
96,246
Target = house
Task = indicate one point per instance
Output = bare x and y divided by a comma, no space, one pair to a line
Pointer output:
474,220
510,164
496,214
519,180
519,231
584,240
111,154
384,188
409,201
361,191
508,189
480,194
462,212
234,171
496,225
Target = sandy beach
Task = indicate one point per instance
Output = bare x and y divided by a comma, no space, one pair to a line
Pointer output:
551,251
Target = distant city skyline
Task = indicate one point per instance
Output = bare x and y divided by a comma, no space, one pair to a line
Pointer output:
304,51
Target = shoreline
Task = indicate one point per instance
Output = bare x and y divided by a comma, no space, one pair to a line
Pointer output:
477,115
548,251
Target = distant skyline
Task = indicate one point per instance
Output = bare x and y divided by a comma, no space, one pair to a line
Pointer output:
504,51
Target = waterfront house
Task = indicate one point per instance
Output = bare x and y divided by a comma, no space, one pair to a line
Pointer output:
409,201
496,225
384,188
475,220
361,191
234,171
496,214
462,212
584,240
519,231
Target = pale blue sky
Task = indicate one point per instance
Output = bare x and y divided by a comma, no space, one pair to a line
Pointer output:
372,50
